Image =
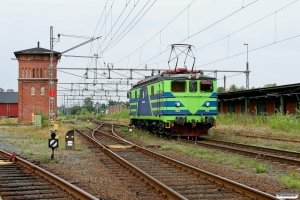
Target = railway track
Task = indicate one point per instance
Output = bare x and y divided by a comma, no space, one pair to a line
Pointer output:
24,180
173,178
284,139
286,157
282,156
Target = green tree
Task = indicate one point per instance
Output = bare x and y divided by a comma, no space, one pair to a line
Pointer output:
88,104
270,85
220,90
233,88
242,88
73,110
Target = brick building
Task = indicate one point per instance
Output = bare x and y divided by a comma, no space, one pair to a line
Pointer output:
116,108
268,100
33,82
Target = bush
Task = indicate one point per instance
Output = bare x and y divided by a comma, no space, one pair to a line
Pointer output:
277,121
45,121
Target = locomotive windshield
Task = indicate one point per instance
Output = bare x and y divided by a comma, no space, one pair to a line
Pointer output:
206,86
178,86
193,86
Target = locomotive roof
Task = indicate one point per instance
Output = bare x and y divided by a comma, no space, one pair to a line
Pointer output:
160,77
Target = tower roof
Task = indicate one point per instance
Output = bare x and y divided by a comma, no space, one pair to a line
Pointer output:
35,51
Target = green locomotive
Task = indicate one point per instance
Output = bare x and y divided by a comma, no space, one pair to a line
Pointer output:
177,102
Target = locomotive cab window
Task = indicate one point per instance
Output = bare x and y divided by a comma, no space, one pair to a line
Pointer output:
178,86
141,93
206,86
152,90
193,86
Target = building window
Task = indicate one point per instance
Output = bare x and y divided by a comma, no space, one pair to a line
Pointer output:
178,86
22,72
261,108
231,108
32,90
42,91
45,73
41,73
33,73
37,73
26,73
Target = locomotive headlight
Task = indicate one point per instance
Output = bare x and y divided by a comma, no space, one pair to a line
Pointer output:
189,76
207,104
177,104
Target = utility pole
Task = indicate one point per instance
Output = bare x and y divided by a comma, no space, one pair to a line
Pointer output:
224,83
247,71
51,80
95,74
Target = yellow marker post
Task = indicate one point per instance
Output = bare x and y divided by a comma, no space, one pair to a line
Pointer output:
55,127
32,118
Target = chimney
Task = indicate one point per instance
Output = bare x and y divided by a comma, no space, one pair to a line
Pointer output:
38,44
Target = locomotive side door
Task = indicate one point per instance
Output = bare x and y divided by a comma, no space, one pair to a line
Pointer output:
160,98
193,96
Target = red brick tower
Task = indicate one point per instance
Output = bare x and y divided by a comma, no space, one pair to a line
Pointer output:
33,82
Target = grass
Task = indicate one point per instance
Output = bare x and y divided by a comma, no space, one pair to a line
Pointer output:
270,125
283,145
292,180
233,160
289,179
8,121
124,114
33,142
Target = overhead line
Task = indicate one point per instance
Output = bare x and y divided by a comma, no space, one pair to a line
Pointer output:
219,21
250,50
118,20
158,32
128,30
205,28
247,25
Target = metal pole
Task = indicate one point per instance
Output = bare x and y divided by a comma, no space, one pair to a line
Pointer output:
247,71
95,75
51,79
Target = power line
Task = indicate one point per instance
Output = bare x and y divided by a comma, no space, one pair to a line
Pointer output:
159,32
250,50
110,45
205,29
247,26
219,21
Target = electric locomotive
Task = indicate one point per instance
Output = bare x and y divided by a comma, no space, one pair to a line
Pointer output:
178,102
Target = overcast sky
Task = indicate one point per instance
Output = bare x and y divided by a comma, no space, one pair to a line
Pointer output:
142,34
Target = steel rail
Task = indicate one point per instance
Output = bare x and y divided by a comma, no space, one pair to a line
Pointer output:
243,189
152,181
266,137
75,191
250,152
270,150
